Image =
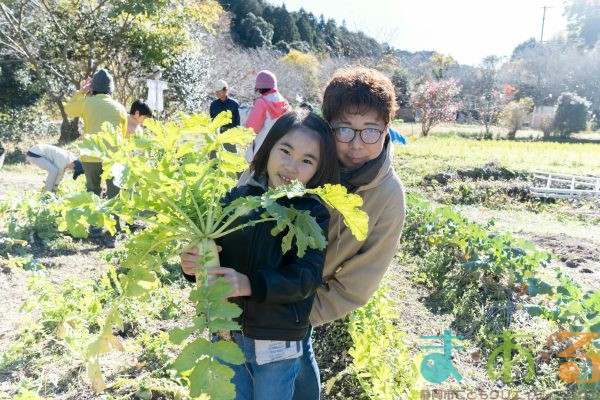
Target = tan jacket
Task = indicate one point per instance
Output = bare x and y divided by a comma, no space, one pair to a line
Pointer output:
353,270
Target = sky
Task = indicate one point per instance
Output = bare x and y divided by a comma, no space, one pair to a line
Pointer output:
468,30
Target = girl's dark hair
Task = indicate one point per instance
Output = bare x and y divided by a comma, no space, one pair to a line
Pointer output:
263,91
327,170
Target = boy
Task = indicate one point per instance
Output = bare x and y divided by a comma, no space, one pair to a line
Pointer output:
224,103
138,112
360,104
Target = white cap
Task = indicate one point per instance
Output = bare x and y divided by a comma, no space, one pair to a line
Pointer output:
219,85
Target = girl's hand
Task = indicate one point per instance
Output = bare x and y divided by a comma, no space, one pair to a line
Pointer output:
239,281
189,261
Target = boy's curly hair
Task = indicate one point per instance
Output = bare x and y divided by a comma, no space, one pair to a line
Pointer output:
358,90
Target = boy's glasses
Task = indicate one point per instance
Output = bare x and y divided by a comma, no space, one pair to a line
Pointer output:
367,135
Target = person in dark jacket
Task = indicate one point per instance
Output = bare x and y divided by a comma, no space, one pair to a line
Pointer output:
275,290
224,103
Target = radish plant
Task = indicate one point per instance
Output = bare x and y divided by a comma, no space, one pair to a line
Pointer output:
170,181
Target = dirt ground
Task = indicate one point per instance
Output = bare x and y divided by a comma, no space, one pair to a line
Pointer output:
576,246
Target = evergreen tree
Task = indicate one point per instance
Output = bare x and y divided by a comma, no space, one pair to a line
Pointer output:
253,31
306,28
401,87
284,26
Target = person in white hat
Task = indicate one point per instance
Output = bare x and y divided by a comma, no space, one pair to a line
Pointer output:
223,103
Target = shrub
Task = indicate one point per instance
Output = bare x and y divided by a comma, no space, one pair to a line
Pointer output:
515,113
571,114
435,102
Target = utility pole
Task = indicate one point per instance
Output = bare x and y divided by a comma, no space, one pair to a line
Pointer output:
543,20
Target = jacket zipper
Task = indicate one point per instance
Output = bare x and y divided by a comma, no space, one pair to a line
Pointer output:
296,312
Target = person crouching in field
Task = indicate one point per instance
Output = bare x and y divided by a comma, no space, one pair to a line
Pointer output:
56,161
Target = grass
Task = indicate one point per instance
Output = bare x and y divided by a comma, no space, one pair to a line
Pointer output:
433,154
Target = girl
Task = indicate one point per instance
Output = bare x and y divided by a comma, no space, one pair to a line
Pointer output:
265,111
275,290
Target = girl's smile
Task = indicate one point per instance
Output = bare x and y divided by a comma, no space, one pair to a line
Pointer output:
293,157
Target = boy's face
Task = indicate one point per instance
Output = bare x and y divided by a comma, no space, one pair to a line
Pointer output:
356,153
221,94
139,119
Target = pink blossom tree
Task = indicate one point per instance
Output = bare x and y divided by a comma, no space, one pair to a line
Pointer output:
435,101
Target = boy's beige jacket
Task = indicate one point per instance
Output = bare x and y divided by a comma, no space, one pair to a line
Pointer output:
353,270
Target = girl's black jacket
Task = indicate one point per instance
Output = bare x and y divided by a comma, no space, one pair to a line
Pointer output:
283,285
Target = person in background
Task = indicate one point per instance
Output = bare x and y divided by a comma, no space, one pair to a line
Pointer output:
224,103
138,112
269,106
55,161
94,103
360,104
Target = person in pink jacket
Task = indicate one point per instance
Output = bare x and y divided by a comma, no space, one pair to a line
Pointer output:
265,111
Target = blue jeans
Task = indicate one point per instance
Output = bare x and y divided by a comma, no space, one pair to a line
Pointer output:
308,382
273,380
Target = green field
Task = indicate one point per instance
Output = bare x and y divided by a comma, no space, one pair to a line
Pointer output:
427,289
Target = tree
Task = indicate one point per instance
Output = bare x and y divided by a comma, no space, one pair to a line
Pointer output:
253,31
583,21
306,28
401,87
306,66
514,115
571,114
63,41
17,85
441,63
487,100
284,25
435,101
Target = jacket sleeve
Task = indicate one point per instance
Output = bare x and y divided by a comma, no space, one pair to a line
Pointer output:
235,117
123,123
354,284
74,106
258,115
212,110
297,279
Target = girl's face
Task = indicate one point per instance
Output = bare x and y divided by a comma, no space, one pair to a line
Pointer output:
293,157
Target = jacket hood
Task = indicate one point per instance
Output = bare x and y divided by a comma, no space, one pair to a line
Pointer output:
276,104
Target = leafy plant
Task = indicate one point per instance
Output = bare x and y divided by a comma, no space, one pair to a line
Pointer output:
30,217
170,182
381,361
